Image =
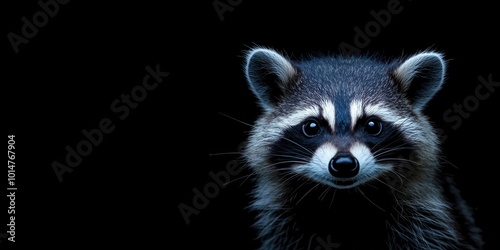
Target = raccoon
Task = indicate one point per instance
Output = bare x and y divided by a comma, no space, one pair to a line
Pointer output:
343,156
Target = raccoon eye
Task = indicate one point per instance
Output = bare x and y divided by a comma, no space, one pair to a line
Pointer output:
373,126
311,128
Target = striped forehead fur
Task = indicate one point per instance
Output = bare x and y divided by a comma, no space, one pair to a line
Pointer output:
325,109
328,113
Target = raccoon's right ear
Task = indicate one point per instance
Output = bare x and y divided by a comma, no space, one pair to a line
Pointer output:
269,75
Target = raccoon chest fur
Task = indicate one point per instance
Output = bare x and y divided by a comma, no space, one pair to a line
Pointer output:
337,220
344,158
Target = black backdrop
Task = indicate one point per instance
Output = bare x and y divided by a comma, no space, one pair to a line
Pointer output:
70,65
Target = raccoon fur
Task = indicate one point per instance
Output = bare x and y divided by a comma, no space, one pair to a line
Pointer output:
344,157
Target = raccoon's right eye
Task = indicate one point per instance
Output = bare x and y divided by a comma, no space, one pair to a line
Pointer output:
311,128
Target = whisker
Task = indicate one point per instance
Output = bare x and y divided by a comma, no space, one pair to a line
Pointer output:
301,146
225,153
244,177
285,162
289,177
324,193
389,186
235,119
448,162
360,191
311,189
333,197
386,150
297,157
401,160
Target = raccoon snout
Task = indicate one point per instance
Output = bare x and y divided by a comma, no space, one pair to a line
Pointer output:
343,165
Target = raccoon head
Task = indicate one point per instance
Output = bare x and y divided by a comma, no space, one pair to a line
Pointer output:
343,121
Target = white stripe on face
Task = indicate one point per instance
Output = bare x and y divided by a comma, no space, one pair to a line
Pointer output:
317,168
297,117
328,112
324,154
368,169
356,111
384,113
363,154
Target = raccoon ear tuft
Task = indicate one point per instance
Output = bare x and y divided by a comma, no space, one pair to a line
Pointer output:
269,75
421,76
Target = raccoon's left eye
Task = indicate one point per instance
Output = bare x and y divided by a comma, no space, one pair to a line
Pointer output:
373,126
311,128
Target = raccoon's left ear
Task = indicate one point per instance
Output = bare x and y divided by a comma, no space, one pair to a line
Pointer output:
420,77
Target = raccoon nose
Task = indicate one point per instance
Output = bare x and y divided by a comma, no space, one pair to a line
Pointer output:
343,165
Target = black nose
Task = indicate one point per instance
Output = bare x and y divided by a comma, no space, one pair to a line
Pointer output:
343,165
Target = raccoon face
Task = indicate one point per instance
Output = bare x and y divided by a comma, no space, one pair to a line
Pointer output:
342,122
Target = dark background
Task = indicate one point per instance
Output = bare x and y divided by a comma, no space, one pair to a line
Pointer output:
126,192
